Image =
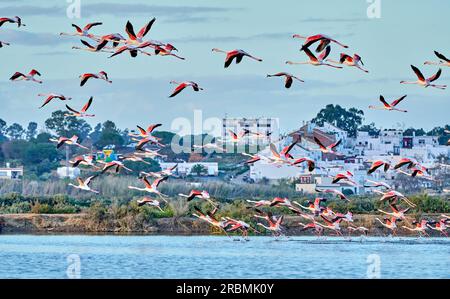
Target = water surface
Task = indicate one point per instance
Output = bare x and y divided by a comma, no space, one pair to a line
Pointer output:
112,256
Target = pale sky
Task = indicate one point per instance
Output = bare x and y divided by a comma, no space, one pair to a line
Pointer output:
407,33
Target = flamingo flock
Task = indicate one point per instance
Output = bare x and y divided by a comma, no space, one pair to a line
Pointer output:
319,217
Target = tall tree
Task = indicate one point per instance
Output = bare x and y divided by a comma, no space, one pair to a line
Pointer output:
67,125
31,130
15,131
110,135
347,120
2,129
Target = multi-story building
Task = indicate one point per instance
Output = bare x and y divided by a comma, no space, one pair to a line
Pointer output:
265,129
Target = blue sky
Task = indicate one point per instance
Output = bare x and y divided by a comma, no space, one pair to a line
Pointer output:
405,34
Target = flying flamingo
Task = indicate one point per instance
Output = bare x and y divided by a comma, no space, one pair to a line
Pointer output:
352,61
69,141
377,164
238,54
2,43
425,82
145,133
313,207
87,160
260,203
82,112
338,193
84,185
361,229
391,106
318,230
13,20
30,77
151,188
274,222
239,225
51,96
394,196
183,85
444,61
169,171
234,137
149,202
101,75
396,212
324,41
211,218
419,226
280,202
82,32
333,224
166,50
288,78
377,184
408,162
327,149
311,163
198,194
316,61
118,165
344,176
440,226
98,48
390,224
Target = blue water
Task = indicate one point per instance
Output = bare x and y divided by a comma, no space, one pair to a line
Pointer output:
46,256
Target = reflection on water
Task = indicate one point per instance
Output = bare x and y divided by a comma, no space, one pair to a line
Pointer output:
32,256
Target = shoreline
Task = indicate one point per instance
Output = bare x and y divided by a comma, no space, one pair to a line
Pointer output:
71,224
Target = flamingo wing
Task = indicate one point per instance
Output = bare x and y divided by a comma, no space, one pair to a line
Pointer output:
325,53
178,89
16,75
90,25
319,143
153,127
288,82
77,28
274,151
435,76
310,55
87,105
130,31
382,100
144,30
71,109
87,44
395,103
418,73
85,78
335,144
229,59
440,56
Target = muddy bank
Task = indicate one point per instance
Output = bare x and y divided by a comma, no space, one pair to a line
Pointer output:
79,223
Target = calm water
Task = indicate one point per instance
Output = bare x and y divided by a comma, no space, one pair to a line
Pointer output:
34,256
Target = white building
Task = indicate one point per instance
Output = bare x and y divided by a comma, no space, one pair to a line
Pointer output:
11,172
183,169
265,129
68,172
